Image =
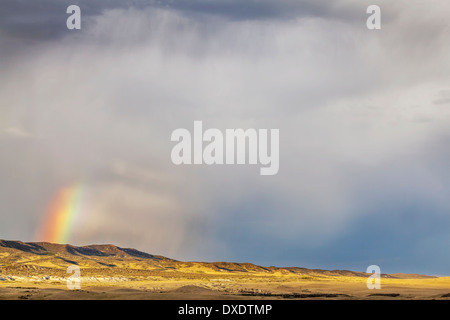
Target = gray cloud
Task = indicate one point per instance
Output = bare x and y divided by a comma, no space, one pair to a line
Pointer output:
46,19
360,115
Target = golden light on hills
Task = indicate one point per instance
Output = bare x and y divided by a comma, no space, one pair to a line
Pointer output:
38,271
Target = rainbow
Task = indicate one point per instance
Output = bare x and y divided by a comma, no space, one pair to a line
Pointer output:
61,216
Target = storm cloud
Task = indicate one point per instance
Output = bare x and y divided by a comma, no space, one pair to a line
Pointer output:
363,118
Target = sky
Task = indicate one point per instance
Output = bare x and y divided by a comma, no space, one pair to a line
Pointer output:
363,117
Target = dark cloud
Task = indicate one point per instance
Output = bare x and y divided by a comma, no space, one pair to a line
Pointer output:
46,19
261,9
403,232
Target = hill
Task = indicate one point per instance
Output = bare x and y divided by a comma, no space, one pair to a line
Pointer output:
37,258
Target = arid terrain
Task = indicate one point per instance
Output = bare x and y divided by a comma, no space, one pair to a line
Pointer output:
38,271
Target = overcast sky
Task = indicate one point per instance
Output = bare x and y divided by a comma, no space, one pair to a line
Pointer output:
364,119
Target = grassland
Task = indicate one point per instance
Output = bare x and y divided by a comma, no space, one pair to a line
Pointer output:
38,271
